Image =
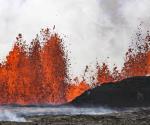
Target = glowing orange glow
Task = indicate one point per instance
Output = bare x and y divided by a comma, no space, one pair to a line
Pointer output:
104,75
137,63
74,90
38,74
35,74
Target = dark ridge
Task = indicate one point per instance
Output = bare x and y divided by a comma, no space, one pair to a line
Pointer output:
130,92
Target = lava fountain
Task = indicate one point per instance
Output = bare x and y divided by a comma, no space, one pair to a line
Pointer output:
38,73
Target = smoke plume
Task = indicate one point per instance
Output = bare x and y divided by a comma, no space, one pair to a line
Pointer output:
10,113
93,28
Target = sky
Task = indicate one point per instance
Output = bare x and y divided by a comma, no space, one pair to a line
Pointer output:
92,30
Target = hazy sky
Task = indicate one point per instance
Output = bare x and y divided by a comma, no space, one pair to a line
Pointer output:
93,28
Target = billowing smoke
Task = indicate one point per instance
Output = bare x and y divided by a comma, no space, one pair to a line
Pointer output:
93,28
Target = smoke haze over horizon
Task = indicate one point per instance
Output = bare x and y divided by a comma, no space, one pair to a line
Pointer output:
94,29
18,114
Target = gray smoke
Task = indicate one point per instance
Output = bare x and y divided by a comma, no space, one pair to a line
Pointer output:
94,29
10,113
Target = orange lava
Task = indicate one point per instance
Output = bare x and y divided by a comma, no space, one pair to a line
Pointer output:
74,90
38,74
137,62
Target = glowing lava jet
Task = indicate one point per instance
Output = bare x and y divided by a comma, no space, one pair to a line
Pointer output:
38,74
137,62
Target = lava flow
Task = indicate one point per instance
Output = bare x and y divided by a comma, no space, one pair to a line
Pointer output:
38,74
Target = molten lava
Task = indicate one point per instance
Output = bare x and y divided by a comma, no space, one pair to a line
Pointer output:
137,63
38,74
74,90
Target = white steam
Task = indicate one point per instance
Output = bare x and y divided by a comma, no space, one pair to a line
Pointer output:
10,113
6,115
93,28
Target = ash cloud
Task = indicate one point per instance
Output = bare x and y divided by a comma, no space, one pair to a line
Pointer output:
94,29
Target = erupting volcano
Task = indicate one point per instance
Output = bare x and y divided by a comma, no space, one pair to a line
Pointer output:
38,74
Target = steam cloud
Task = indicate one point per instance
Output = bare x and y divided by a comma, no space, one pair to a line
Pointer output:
93,28
10,113
6,115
